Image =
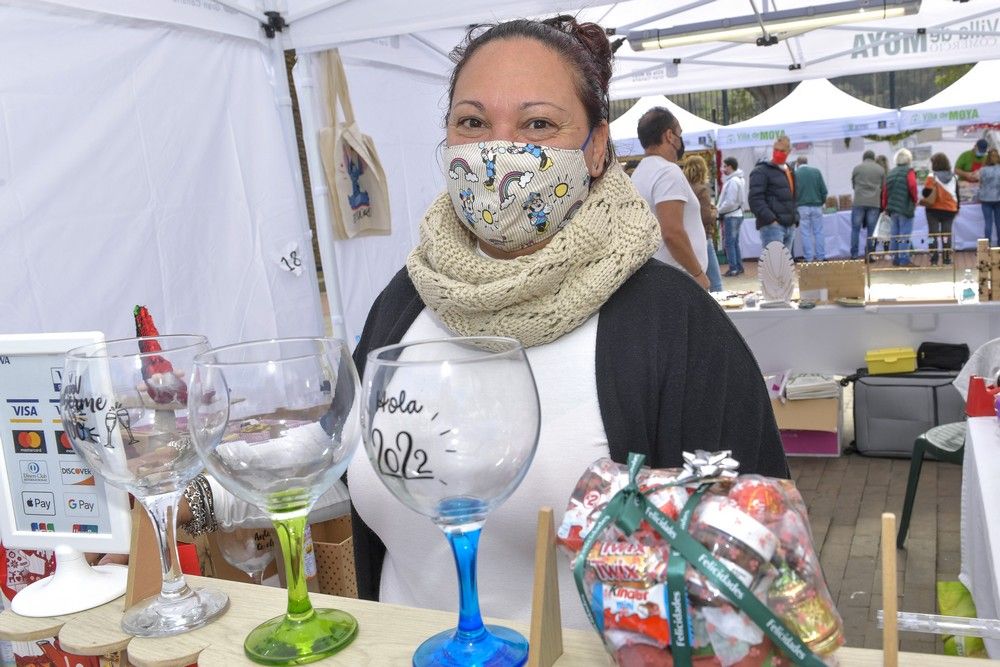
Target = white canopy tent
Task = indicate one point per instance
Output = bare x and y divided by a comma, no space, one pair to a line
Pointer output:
816,110
147,152
697,132
970,100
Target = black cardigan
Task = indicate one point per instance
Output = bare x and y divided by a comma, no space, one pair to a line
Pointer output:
673,375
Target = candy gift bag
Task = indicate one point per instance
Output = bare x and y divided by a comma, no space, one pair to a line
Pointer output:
698,566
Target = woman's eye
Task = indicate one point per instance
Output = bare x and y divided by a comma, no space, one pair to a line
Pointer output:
471,123
540,124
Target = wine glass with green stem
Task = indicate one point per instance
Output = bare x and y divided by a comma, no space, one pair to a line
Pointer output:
450,428
276,423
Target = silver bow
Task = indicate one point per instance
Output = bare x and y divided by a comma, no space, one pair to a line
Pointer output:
708,465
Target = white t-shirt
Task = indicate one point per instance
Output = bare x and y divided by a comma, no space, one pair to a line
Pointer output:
419,570
658,179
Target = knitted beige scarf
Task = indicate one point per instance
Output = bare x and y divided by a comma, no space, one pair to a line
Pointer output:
539,297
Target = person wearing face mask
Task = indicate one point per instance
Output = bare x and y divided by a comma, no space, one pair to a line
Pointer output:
968,163
662,184
628,354
772,196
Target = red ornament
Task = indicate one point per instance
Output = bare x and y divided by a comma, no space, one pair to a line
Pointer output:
759,499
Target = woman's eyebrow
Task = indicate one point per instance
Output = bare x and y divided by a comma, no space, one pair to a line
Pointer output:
526,105
478,105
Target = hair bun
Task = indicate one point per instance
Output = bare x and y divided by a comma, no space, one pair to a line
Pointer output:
592,37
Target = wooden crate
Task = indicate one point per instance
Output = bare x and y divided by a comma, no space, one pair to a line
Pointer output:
845,278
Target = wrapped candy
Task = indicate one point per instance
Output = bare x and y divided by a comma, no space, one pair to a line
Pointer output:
753,591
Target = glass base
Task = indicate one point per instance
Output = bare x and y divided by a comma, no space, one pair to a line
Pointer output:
495,647
159,617
282,641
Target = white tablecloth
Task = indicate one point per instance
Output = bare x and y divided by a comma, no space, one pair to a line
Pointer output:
981,520
967,228
834,339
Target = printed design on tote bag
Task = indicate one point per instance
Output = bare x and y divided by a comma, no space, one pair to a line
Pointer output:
355,167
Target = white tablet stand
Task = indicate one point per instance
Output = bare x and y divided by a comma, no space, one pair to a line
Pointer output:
75,586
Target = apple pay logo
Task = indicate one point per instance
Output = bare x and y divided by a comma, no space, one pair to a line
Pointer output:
38,504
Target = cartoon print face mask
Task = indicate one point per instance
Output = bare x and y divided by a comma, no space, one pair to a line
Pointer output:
513,195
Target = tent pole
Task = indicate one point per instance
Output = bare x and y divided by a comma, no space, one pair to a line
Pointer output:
306,88
283,99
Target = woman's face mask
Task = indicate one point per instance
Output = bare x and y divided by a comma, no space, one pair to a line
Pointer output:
514,195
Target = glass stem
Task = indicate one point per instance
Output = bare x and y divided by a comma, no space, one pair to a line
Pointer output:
162,510
291,535
465,546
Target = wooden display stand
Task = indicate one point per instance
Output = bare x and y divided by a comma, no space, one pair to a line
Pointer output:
873,267
390,634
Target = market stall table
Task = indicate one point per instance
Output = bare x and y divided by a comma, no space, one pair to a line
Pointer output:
388,634
980,522
834,339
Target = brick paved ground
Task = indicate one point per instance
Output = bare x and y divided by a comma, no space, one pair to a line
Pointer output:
846,497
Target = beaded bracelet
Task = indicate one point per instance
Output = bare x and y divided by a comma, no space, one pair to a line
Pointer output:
199,497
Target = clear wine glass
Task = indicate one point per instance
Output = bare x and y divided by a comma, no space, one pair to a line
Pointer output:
124,406
276,423
451,427
248,549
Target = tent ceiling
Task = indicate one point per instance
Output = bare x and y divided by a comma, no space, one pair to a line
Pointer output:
943,32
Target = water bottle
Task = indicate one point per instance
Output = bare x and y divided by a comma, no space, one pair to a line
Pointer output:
968,288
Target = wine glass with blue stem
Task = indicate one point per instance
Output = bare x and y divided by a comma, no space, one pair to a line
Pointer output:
450,427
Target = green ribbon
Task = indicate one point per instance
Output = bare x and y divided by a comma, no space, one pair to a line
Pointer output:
678,618
623,510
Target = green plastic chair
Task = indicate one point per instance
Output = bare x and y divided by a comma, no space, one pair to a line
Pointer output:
945,443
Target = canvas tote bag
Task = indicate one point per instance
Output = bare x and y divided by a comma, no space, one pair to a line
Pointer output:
359,194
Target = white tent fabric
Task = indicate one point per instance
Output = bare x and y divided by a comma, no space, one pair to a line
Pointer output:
396,56
972,99
952,32
697,132
814,111
943,32
141,164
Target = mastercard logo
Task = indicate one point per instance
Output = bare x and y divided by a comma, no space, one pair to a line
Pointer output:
65,446
29,441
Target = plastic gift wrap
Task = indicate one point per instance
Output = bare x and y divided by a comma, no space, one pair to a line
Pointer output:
698,566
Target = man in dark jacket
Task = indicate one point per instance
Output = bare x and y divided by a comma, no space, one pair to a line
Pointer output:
772,196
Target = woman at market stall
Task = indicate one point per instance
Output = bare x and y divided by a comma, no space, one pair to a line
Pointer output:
696,172
629,355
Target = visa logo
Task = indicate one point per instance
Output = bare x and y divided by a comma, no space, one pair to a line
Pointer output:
25,411
4,360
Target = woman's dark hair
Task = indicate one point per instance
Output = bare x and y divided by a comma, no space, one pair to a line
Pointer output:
584,46
940,162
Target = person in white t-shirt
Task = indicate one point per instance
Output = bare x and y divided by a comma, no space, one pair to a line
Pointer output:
662,184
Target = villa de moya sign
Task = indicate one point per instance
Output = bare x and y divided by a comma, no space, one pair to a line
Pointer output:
887,44
832,129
